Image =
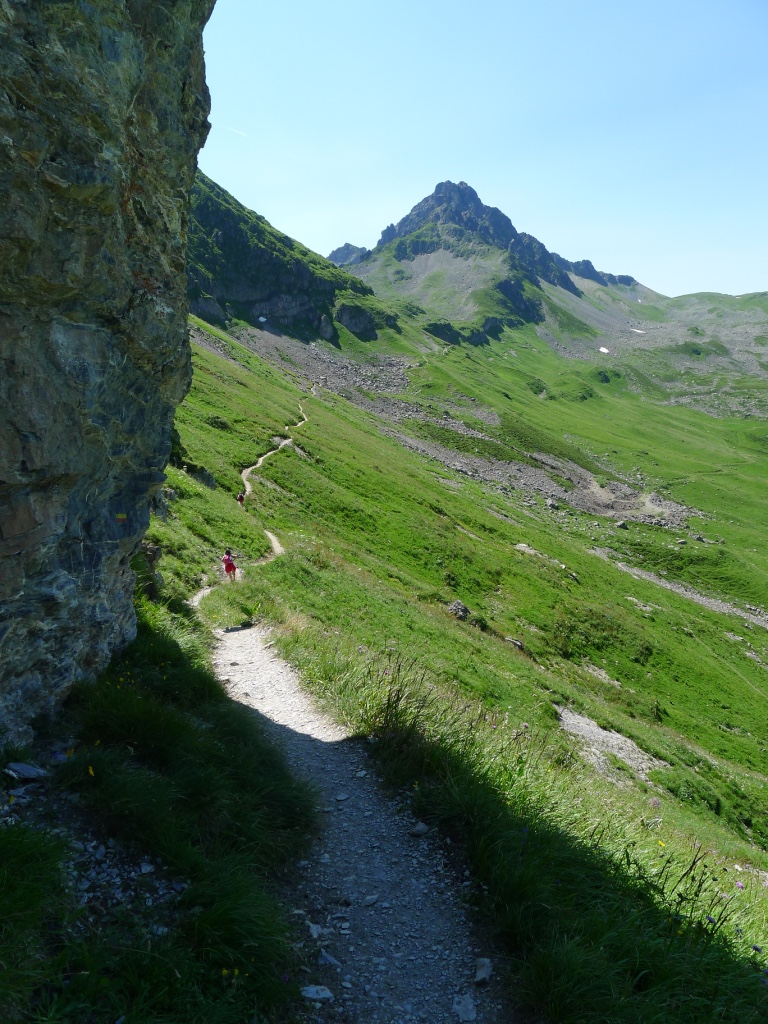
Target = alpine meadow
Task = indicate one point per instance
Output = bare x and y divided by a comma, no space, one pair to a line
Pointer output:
522,506
520,510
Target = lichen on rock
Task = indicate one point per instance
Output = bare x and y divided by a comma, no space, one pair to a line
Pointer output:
103,107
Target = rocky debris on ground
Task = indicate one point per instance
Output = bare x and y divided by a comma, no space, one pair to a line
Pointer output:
598,742
616,498
749,613
106,879
382,904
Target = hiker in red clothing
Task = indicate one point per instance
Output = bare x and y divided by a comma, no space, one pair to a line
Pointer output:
240,499
229,565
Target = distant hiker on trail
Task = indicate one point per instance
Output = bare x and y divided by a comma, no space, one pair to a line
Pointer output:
229,565
240,499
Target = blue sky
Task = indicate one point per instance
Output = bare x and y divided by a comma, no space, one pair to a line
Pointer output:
633,135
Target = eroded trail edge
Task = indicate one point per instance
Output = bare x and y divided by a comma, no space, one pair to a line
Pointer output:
379,905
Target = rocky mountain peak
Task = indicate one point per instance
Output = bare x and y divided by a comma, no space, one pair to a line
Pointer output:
454,211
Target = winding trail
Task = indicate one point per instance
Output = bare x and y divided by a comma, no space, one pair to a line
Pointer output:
246,473
380,903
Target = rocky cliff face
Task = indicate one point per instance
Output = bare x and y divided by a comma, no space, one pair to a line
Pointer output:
103,108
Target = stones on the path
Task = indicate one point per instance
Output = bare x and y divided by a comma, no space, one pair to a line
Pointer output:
419,829
483,970
341,797
361,774
325,959
370,900
320,994
464,1008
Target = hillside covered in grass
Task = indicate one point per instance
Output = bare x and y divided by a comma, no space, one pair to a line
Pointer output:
648,860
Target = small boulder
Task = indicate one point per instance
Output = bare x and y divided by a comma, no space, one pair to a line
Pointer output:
621,525
464,1008
459,609
483,970
420,829
317,993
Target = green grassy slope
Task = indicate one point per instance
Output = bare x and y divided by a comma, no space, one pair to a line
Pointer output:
380,540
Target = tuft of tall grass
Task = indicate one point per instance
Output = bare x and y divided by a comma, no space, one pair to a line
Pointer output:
32,907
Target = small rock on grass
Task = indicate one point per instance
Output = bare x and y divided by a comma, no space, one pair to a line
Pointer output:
483,969
464,1008
320,994
20,770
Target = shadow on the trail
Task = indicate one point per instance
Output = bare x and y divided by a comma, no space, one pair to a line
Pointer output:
596,936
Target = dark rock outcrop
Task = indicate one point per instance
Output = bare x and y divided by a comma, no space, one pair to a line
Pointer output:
240,266
103,107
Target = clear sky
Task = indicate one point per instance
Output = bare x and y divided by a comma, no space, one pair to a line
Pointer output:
633,135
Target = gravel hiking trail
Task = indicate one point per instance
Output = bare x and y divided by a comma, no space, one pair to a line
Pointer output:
381,904
245,475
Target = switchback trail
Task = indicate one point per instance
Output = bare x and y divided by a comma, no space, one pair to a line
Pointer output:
245,475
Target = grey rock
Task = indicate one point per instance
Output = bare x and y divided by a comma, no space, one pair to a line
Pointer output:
483,970
464,1008
325,958
458,609
370,900
317,993
96,166
20,770
420,829
621,525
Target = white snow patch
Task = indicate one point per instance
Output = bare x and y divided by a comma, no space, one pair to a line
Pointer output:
635,330
604,350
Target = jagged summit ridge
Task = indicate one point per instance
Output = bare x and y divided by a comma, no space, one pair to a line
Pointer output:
454,217
460,211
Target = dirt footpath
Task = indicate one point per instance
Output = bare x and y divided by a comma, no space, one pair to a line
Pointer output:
377,903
